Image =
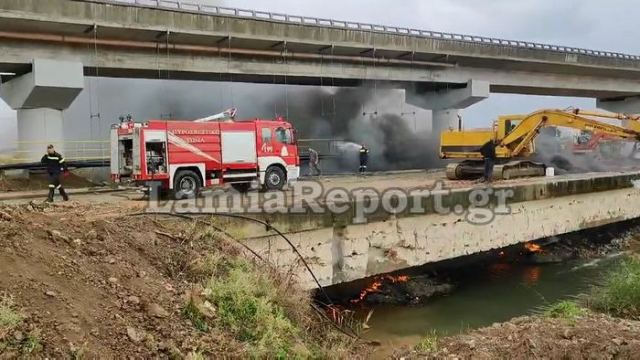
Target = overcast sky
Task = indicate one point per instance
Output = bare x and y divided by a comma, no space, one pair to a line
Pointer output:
596,24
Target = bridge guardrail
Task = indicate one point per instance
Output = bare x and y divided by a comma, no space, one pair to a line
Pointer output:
175,5
32,151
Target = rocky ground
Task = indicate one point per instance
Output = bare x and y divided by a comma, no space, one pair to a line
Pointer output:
592,336
87,281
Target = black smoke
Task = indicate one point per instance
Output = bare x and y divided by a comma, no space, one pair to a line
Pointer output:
379,119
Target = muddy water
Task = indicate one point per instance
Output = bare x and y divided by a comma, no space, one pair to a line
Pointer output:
485,294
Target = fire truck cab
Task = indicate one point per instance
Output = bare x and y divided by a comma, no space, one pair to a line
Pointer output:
184,156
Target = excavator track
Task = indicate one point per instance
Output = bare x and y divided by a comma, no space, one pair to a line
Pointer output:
470,169
518,169
465,170
451,170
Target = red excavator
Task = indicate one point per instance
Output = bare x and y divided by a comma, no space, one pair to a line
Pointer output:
600,143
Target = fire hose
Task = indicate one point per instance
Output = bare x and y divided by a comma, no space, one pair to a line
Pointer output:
351,333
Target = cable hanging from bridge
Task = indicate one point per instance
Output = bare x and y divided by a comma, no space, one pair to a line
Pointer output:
166,82
344,328
95,83
221,103
366,77
375,79
333,88
167,63
331,91
286,85
403,101
275,86
230,87
321,83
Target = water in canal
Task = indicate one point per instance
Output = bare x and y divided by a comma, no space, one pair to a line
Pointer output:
485,294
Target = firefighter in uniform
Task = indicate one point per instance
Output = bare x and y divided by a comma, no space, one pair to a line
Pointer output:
314,163
55,167
364,158
488,152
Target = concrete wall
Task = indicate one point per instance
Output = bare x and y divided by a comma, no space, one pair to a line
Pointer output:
36,129
340,251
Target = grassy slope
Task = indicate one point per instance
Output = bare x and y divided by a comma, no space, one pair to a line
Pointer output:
86,281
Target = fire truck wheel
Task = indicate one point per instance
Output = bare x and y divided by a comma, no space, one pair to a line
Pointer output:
274,179
186,185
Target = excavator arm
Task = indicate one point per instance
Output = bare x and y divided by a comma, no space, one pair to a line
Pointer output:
526,131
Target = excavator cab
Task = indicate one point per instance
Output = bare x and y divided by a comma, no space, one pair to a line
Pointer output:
505,124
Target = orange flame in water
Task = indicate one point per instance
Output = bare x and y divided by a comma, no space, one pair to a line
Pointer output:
377,283
531,247
335,313
531,275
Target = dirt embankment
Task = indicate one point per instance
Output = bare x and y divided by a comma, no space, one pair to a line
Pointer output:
85,281
592,336
41,182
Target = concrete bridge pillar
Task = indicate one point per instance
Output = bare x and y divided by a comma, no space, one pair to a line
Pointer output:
446,105
445,119
40,98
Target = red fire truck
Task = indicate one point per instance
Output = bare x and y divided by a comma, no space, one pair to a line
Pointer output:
184,156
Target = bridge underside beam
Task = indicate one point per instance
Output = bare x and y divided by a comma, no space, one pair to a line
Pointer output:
446,104
145,63
457,98
627,105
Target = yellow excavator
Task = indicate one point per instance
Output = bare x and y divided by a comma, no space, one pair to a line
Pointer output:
515,135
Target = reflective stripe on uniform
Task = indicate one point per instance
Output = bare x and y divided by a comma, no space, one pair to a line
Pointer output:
61,160
58,187
53,158
51,186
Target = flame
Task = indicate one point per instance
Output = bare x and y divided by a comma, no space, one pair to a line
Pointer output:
336,313
531,247
377,283
531,275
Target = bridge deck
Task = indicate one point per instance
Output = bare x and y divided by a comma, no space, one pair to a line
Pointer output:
247,46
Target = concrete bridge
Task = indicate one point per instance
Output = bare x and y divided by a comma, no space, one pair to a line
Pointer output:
340,248
51,45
